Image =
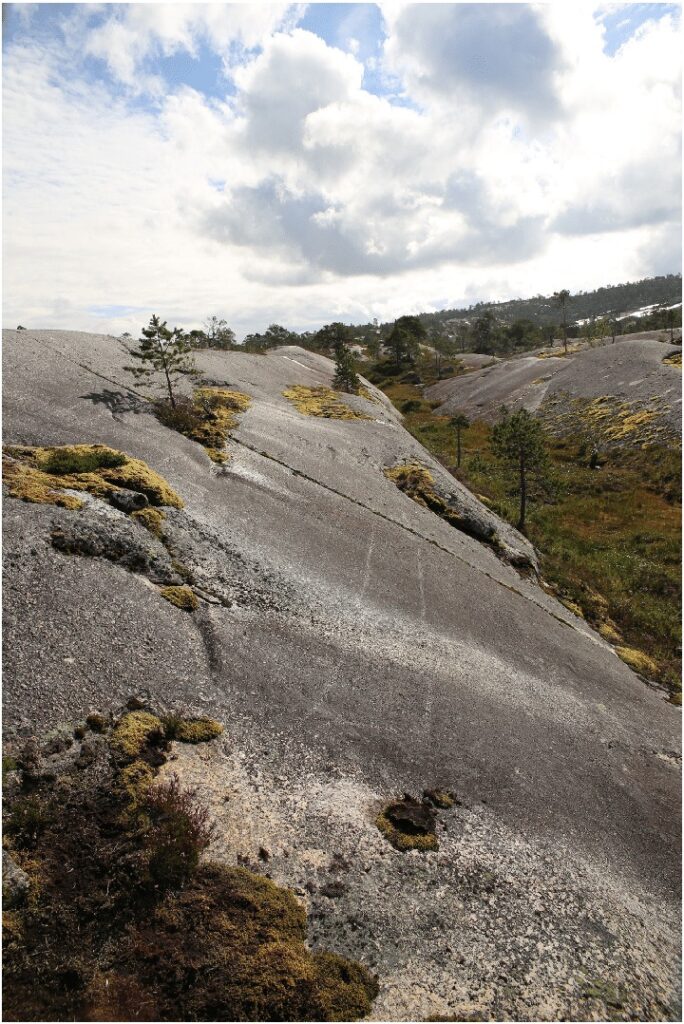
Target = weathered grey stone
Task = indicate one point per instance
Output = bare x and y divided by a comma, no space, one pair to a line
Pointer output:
15,882
128,501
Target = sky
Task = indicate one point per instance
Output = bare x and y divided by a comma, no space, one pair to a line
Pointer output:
303,163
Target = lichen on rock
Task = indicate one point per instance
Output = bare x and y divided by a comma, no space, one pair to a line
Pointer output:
321,401
43,475
638,661
182,597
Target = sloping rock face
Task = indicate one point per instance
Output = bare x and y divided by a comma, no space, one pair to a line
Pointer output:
358,648
632,374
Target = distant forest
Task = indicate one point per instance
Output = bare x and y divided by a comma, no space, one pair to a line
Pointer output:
615,300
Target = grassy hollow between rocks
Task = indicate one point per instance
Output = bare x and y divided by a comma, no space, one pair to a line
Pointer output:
609,538
120,918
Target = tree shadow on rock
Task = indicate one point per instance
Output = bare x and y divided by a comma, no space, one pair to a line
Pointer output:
119,402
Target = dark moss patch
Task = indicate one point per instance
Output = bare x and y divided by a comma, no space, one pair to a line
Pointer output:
409,825
440,798
72,460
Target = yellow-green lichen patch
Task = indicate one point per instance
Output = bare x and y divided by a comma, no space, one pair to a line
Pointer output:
191,730
134,731
630,423
408,825
151,518
638,661
220,408
321,401
43,474
135,781
207,418
183,597
608,631
572,607
674,359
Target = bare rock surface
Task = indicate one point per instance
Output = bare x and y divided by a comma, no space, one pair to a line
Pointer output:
631,371
358,648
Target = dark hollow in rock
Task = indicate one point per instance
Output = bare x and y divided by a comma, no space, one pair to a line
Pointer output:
411,817
128,501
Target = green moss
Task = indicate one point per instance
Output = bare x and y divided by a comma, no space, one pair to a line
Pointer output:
135,780
151,518
321,401
639,661
67,460
191,730
182,597
342,990
9,764
404,841
135,730
27,473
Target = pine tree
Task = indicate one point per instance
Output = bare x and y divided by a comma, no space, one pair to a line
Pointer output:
162,354
346,378
459,422
562,299
519,440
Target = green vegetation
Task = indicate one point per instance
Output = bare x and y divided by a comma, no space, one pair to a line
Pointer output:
321,401
459,422
207,418
123,920
63,461
191,730
609,538
27,474
518,440
134,731
346,377
164,358
151,519
183,597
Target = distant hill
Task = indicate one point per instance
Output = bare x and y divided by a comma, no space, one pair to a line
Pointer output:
620,300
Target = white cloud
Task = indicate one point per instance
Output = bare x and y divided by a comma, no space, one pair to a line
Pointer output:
304,198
